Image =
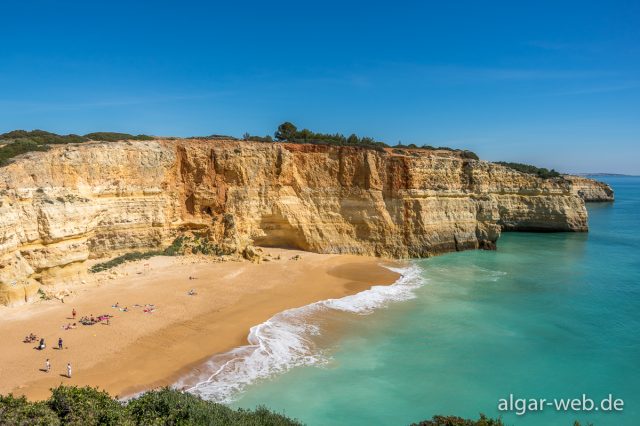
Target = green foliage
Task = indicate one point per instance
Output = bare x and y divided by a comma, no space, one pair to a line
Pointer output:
459,421
288,132
214,136
469,154
205,246
114,137
127,257
19,411
179,246
19,142
18,147
75,406
464,153
86,406
41,137
532,170
175,248
170,407
252,138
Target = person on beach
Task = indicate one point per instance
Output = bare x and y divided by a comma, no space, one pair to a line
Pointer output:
47,366
69,370
73,313
59,343
41,346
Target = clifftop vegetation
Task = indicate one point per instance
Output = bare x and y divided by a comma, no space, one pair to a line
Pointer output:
19,142
288,132
532,170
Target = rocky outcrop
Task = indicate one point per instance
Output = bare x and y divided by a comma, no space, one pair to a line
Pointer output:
589,189
62,207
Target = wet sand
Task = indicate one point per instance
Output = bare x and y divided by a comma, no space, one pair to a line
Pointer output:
139,350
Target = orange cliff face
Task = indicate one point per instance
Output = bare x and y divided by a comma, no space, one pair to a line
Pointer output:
75,202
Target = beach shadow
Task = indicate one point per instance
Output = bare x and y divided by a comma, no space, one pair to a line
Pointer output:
64,375
44,370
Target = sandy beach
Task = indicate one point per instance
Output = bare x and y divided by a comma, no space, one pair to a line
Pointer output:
139,350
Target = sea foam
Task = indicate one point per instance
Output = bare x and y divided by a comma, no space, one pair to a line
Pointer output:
285,341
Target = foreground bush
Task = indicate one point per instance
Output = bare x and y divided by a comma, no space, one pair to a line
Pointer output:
19,411
459,421
73,406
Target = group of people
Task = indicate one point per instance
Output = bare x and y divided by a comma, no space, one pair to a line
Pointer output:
91,320
31,337
147,308
42,345
47,367
117,306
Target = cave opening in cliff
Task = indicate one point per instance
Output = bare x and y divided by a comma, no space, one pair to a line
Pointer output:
278,232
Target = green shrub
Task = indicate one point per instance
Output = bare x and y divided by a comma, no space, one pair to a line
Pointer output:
196,245
469,154
176,247
22,141
41,137
288,132
19,411
214,136
532,170
86,406
464,153
127,257
171,407
459,421
18,147
114,137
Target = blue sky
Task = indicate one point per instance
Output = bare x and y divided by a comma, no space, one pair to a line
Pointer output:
551,83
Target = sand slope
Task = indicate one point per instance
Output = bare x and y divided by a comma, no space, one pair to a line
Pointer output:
141,350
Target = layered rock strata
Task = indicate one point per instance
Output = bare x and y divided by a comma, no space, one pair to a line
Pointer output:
590,190
62,207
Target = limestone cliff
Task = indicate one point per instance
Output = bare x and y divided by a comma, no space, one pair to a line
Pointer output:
589,189
61,207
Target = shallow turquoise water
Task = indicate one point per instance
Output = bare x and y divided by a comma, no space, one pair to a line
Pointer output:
545,316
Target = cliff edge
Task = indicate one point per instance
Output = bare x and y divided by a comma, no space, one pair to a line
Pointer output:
590,190
61,207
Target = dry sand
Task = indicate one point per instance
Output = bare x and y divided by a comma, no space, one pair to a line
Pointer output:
139,350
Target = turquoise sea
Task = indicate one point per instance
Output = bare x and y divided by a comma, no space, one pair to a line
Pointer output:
545,316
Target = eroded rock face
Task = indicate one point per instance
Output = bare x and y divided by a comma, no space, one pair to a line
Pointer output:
589,189
75,202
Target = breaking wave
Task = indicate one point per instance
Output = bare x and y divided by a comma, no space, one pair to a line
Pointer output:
284,341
